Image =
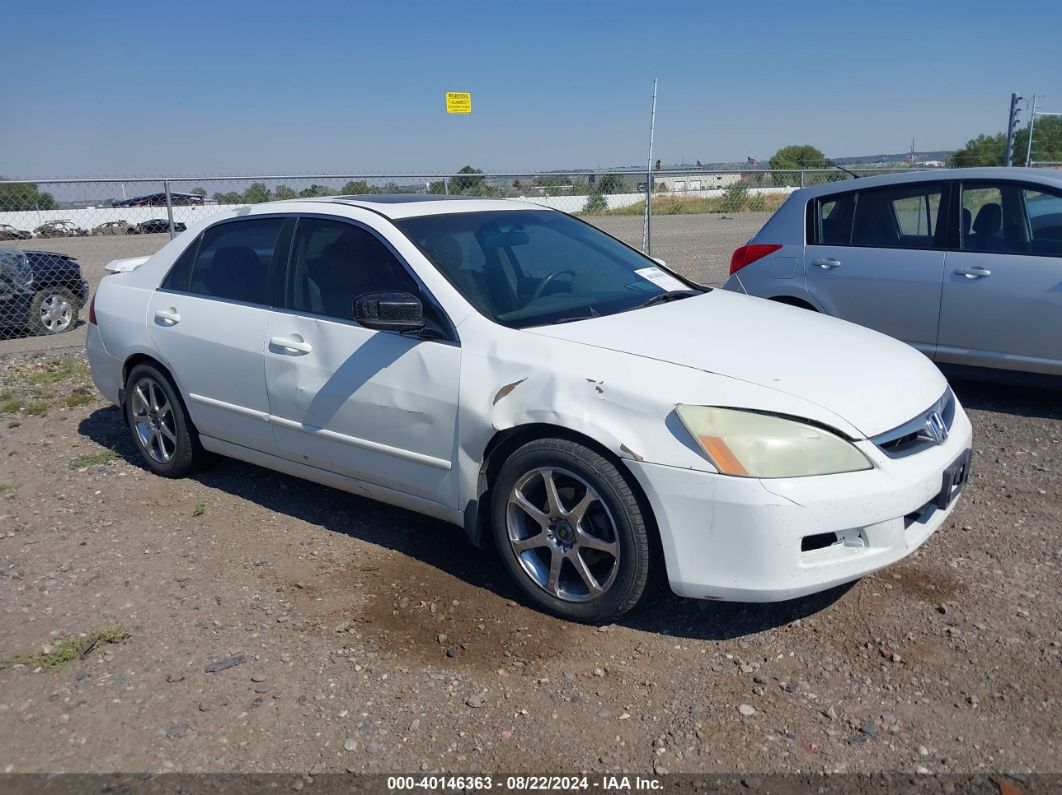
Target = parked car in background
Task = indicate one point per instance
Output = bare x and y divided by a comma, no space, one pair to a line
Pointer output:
963,264
112,228
156,226
41,292
60,228
8,232
520,373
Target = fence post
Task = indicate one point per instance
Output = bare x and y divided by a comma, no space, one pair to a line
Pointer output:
446,186
169,206
802,178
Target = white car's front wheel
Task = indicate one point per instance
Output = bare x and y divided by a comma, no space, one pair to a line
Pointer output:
570,531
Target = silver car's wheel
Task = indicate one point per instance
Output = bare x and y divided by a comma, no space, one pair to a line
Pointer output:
153,420
562,534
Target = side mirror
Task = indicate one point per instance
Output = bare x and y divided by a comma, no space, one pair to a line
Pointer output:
389,311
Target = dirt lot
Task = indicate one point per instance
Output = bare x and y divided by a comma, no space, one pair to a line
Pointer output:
275,625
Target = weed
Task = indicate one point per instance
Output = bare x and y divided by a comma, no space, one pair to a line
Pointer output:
103,457
37,408
200,509
69,649
79,397
6,487
61,369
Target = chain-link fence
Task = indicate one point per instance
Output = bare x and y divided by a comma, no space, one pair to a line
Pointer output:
57,235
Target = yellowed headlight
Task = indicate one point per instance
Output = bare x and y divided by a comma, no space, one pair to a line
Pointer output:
753,445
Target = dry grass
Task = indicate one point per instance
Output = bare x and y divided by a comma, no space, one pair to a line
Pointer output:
677,205
40,383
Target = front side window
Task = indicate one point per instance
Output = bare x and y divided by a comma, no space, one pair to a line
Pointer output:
1044,210
524,268
333,262
233,259
997,218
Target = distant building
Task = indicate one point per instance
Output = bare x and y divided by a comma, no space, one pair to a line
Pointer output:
696,181
159,200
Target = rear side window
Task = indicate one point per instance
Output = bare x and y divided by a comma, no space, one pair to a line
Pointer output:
334,262
905,216
233,260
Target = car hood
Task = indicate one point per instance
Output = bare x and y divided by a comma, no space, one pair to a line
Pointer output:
870,380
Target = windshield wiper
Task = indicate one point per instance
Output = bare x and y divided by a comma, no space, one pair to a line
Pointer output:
664,298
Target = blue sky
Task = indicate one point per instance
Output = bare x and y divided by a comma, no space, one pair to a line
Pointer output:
202,88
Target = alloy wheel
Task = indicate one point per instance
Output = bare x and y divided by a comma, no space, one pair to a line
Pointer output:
153,420
563,534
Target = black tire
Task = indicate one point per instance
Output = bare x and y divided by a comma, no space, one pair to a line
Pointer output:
187,453
616,512
41,321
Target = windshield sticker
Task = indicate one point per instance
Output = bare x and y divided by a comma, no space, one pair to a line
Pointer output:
661,279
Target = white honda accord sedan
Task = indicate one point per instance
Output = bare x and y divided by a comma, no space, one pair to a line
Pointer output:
515,371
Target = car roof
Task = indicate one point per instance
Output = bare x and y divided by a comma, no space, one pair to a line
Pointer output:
395,206
1041,175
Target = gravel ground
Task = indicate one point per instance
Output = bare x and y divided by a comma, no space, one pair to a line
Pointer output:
276,625
698,246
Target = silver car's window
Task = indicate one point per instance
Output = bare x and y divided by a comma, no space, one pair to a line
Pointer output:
901,216
904,216
1044,210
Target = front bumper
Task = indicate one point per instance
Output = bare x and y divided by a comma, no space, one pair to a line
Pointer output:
14,308
751,540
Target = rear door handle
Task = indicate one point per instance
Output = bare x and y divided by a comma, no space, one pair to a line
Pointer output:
827,263
169,317
294,343
974,272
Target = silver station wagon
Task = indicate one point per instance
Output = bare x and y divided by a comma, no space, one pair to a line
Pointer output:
963,264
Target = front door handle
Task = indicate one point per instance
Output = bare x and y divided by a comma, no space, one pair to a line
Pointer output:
292,343
974,272
168,317
827,263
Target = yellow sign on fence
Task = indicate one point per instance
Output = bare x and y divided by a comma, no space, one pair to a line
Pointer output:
458,102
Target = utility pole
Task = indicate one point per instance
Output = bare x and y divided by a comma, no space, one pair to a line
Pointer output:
1028,144
647,228
1012,126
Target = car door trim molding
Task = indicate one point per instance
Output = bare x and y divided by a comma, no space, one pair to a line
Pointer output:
365,444
313,430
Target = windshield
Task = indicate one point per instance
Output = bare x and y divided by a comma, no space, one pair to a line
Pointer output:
526,268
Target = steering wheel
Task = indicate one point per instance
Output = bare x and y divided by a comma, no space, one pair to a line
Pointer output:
542,285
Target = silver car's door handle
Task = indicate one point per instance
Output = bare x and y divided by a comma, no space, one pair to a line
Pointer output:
975,272
827,263
169,316
291,344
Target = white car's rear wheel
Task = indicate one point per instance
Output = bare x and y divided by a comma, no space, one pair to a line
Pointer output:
159,423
